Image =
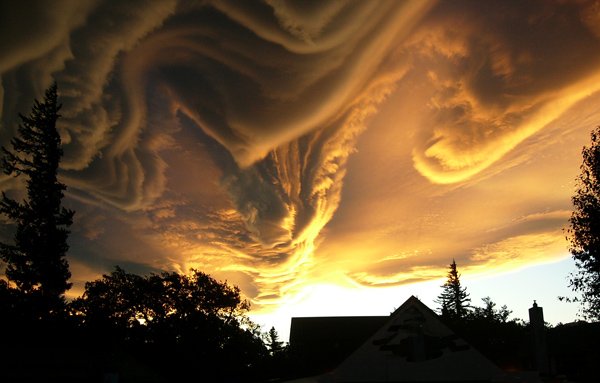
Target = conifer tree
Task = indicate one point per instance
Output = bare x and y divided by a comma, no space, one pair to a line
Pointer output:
454,299
584,231
36,262
274,344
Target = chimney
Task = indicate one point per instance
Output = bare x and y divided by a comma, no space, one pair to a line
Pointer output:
538,331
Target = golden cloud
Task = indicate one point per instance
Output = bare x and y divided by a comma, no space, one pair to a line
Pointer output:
280,143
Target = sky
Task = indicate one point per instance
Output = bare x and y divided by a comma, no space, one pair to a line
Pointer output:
329,158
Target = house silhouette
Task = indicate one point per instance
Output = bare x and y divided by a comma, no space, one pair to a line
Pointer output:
411,345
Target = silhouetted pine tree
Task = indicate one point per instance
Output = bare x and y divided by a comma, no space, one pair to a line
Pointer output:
454,299
584,231
36,261
273,342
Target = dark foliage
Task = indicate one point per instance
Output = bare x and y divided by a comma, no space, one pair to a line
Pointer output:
505,342
158,328
36,262
273,343
454,299
487,328
489,312
584,231
164,320
574,350
126,300
278,365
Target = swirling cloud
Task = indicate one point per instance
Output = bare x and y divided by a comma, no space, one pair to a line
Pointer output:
499,77
223,135
277,93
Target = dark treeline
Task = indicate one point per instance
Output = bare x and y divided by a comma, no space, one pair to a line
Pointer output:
142,328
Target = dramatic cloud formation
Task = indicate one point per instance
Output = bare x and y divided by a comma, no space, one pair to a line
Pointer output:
279,143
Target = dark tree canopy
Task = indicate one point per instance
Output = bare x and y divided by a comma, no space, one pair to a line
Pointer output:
490,313
491,332
128,300
191,321
584,231
36,262
454,299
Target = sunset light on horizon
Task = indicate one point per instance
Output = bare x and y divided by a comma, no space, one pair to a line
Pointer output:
328,158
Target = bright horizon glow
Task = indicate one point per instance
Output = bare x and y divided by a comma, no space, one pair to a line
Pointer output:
517,289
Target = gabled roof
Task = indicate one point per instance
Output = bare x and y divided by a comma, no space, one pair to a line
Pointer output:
320,344
314,331
414,346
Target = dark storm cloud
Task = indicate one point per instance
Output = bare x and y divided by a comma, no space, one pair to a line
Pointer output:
32,29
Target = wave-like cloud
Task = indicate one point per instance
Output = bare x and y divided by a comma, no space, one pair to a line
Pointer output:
278,91
499,73
218,134
535,238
